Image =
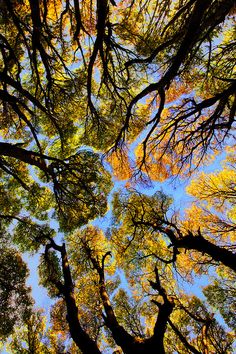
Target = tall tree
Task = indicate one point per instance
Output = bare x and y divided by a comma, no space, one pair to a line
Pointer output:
84,68
82,79
16,302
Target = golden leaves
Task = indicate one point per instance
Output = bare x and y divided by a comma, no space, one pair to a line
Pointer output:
54,9
156,161
215,211
215,189
121,165
176,90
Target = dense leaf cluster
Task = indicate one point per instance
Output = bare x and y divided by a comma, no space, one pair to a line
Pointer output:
97,92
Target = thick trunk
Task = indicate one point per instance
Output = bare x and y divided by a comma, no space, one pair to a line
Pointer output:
157,340
119,334
202,245
29,157
128,343
80,337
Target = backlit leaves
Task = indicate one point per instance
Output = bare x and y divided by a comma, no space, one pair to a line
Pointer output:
85,79
15,296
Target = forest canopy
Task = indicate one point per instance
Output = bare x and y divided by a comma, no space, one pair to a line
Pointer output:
106,108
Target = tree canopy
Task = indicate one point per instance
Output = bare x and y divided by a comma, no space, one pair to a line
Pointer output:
102,94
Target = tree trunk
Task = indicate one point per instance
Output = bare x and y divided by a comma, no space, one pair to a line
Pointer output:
200,244
79,336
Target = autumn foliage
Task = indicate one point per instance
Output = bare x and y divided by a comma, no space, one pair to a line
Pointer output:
109,108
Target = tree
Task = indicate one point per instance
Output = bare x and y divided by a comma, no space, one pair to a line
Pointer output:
15,296
170,312
82,83
60,70
34,338
222,294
